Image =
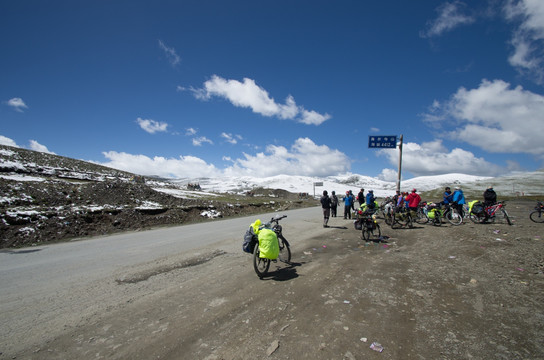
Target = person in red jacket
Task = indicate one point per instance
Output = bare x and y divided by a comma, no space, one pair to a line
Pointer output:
413,200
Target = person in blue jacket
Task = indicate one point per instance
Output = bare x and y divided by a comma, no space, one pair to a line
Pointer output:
370,199
459,200
448,196
348,202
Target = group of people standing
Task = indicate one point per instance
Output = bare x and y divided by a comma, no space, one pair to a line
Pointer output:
410,200
330,204
455,199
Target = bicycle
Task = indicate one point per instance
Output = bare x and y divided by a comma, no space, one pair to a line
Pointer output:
401,217
387,208
262,265
369,226
421,216
436,214
489,213
536,214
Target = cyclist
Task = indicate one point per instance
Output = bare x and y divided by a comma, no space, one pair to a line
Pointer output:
361,197
370,199
326,206
459,200
348,202
490,196
413,200
448,196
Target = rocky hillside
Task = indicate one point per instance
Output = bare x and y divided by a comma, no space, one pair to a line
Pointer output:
47,198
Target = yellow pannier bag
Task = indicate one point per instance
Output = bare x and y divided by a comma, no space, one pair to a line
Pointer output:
268,244
471,204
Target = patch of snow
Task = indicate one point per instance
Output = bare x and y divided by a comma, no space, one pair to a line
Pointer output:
185,194
212,214
149,205
20,177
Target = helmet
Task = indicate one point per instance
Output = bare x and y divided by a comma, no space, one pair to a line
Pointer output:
414,190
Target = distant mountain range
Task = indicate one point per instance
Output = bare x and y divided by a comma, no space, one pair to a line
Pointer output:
22,161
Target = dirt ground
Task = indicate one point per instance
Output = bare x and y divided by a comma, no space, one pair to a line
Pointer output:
466,292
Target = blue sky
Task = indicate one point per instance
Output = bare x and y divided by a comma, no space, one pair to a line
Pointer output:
260,88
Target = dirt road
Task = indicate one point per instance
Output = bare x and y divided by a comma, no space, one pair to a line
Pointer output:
467,292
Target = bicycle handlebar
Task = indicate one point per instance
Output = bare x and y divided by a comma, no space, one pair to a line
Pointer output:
277,218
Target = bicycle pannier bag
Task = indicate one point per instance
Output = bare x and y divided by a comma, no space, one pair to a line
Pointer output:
478,208
249,241
358,224
268,244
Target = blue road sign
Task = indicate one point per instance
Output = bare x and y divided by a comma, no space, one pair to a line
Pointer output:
384,142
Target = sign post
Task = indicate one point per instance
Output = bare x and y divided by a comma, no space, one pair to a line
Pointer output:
387,142
400,164
317,184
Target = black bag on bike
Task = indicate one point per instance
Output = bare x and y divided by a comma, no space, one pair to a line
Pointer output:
478,208
250,240
358,224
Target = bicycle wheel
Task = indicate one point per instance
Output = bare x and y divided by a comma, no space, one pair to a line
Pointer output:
437,221
387,217
454,217
285,251
260,265
377,232
477,219
506,217
366,233
536,216
395,221
421,217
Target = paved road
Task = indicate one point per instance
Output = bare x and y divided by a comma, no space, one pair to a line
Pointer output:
32,274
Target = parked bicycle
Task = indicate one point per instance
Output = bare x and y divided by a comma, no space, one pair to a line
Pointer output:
262,265
480,214
367,223
536,214
421,215
387,207
401,217
436,214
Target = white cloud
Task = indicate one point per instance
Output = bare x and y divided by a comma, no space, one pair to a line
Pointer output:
17,104
36,146
248,94
233,139
33,145
303,158
433,158
495,117
152,126
182,167
388,175
7,141
450,16
528,38
190,131
173,58
201,139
